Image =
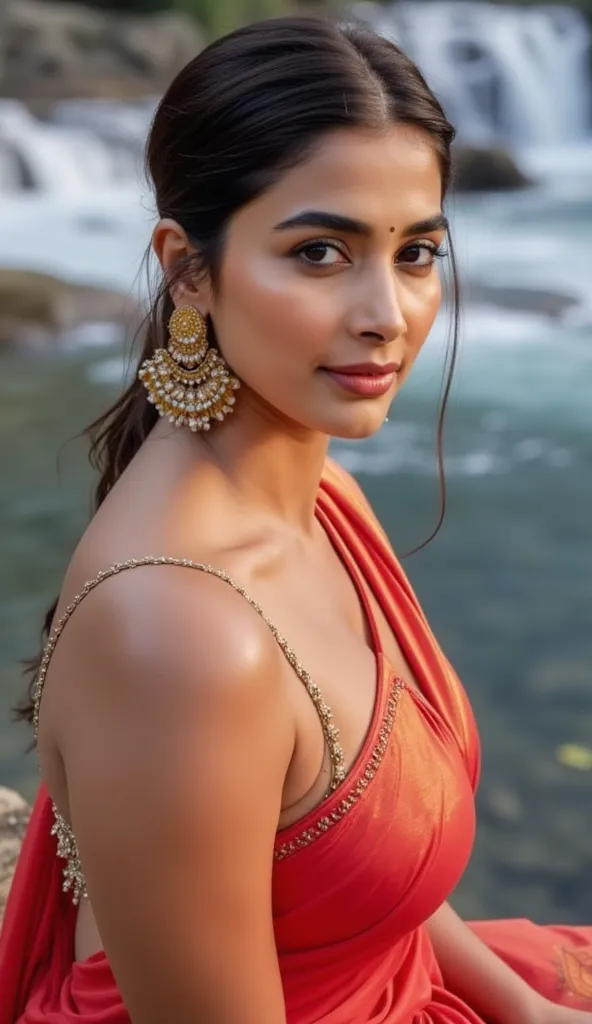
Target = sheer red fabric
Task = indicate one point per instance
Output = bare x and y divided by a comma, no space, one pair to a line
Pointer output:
355,881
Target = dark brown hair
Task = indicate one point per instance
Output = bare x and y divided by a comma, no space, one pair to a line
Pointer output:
252,105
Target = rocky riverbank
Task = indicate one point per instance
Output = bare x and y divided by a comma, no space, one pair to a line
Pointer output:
51,51
41,310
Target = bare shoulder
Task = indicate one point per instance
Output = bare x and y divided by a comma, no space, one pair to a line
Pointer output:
167,638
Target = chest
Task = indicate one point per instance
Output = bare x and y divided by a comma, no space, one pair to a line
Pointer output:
397,850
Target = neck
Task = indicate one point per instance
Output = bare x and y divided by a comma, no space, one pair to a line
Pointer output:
273,467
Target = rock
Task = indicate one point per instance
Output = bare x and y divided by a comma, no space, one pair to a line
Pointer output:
553,304
51,50
486,169
14,816
37,307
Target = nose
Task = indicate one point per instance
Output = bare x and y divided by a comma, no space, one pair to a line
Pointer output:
378,315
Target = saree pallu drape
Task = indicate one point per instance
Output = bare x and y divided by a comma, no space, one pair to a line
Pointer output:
354,881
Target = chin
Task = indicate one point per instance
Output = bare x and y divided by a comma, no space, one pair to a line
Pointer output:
358,426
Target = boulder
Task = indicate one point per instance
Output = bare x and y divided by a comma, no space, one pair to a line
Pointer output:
50,51
486,169
14,816
37,307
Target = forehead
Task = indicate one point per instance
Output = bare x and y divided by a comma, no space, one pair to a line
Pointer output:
392,176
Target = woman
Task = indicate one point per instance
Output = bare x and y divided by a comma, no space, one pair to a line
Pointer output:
241,839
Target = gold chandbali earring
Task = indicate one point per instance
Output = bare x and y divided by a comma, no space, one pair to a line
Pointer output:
189,382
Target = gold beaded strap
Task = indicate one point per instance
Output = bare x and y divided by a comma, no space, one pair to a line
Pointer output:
67,848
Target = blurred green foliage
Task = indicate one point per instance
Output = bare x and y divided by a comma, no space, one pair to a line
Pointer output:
219,16
215,15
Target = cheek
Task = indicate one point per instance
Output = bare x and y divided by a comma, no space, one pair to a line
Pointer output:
272,305
421,312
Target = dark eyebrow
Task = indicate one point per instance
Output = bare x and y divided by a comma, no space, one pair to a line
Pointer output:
338,222
425,227
322,219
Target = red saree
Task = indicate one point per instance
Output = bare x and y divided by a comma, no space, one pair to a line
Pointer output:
354,881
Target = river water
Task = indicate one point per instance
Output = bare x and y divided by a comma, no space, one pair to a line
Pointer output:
508,583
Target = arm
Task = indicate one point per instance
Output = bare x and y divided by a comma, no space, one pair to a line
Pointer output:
176,746
483,981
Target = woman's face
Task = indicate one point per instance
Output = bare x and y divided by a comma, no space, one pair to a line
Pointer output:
329,283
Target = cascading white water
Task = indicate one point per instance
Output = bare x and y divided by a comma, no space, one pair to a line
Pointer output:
84,145
514,74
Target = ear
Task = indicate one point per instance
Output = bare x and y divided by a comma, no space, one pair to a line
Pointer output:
171,245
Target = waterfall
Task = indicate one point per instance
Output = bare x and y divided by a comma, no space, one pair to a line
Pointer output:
83,145
504,73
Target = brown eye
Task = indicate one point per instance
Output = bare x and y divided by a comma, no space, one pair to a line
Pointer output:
320,254
421,255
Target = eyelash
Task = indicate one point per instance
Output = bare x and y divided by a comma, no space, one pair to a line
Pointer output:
438,252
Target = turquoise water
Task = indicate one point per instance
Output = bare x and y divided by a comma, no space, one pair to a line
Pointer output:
507,584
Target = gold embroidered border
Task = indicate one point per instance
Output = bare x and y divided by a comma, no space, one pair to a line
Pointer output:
310,835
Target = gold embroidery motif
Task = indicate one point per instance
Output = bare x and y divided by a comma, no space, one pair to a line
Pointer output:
67,848
575,971
310,835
